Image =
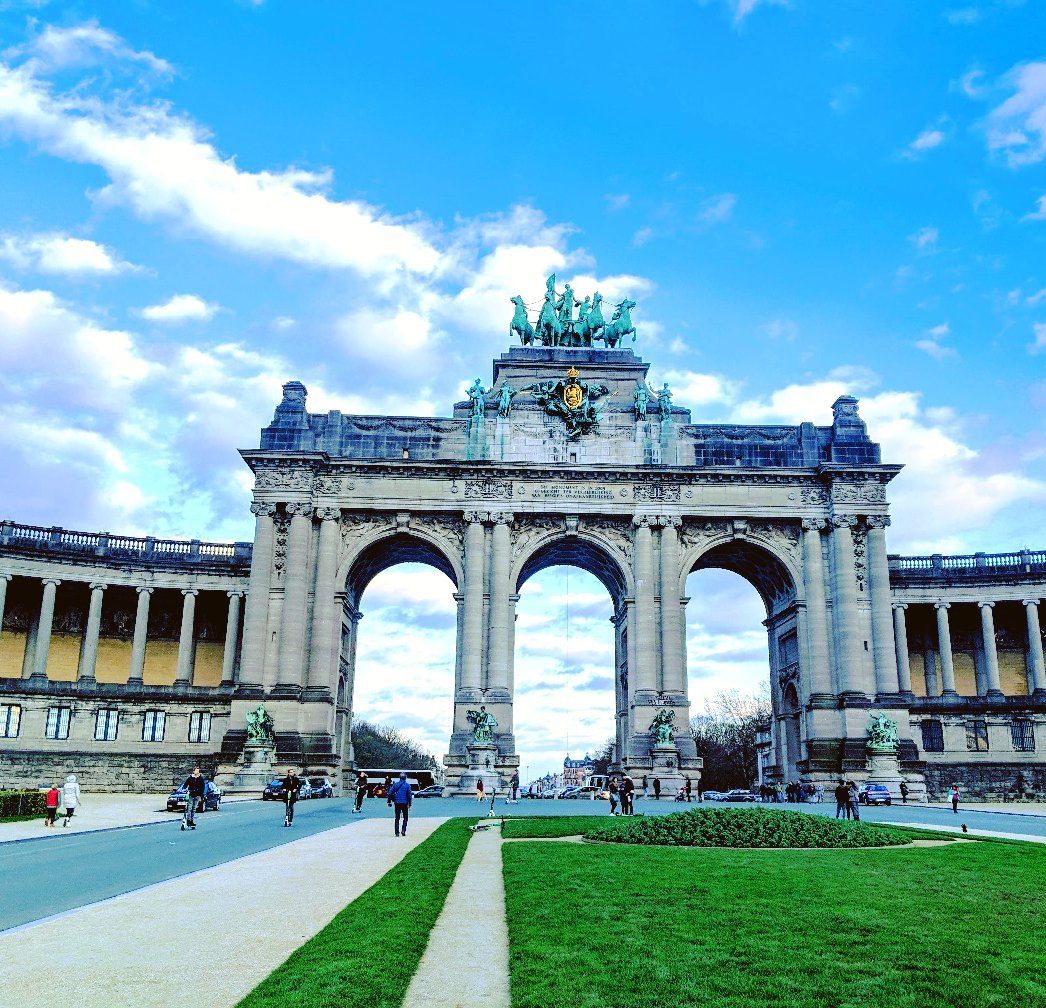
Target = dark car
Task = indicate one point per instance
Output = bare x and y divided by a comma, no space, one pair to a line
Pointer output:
274,790
432,791
874,794
738,795
321,787
212,798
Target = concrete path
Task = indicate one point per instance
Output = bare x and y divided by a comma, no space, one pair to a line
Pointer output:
98,812
978,832
466,961
242,919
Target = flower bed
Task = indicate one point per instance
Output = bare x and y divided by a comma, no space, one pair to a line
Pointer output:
754,827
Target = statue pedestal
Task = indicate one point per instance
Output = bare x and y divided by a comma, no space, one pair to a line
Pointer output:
883,768
665,760
483,761
256,768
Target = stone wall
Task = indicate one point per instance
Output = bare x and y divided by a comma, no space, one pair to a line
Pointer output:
130,772
988,781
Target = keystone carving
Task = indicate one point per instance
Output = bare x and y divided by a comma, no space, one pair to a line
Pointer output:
489,489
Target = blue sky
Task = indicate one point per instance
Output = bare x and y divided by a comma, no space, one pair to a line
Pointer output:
201,201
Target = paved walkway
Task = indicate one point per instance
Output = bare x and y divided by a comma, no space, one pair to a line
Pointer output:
244,918
466,961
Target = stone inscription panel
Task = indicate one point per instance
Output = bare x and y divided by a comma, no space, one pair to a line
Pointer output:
566,492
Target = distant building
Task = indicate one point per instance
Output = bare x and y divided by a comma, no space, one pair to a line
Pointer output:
577,771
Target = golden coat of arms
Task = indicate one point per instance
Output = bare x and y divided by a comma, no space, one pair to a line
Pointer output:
573,393
572,400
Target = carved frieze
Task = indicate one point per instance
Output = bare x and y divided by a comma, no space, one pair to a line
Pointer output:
488,489
696,533
782,536
283,477
450,530
616,533
355,525
813,495
528,530
656,492
867,492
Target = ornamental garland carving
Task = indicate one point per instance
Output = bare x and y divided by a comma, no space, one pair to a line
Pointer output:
528,530
655,492
813,495
489,489
859,493
861,556
696,533
783,538
614,532
356,525
283,478
279,549
450,530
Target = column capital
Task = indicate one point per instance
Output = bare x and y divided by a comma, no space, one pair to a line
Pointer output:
6,577
144,590
877,521
263,509
1024,602
328,513
900,605
98,586
814,524
986,605
238,593
476,517
299,509
844,521
51,581
942,605
190,591
502,518
644,521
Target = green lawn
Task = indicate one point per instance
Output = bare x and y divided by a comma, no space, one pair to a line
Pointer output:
367,955
602,926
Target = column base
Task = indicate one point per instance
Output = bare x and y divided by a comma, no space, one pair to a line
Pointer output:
286,691
823,701
854,698
995,695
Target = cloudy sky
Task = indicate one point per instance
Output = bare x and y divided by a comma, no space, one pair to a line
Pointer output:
204,200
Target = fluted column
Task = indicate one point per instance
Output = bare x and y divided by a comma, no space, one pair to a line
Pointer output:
475,563
900,635
4,578
290,670
816,611
43,634
644,672
884,653
256,608
991,654
1036,665
933,685
187,638
323,672
671,653
232,638
944,645
141,637
844,604
89,656
499,656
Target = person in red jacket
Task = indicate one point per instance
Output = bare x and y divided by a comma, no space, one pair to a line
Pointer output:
52,805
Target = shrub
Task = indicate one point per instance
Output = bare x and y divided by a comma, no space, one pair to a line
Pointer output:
18,804
755,827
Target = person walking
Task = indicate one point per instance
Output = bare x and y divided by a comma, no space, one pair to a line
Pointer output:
853,800
195,786
657,788
614,790
479,789
291,787
52,804
71,798
904,793
400,796
628,789
361,791
953,797
689,790
842,801
514,782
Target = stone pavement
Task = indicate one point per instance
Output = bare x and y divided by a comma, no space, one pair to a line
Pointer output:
466,960
237,921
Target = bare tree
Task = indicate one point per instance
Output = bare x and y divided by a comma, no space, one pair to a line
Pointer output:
724,735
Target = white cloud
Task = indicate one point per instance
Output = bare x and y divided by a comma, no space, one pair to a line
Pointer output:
691,388
925,141
742,8
180,308
717,209
935,349
642,236
779,329
844,98
972,83
1039,213
85,45
925,239
617,201
962,15
1038,296
1017,127
1038,346
58,253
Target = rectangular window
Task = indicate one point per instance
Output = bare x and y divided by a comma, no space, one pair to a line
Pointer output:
1023,735
58,722
977,736
200,726
106,724
10,720
933,736
153,724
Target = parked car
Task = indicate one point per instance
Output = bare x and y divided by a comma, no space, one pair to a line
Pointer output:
212,798
591,791
737,795
874,794
432,791
273,791
713,795
570,791
549,793
321,787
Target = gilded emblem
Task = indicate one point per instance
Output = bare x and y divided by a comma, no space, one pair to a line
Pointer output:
572,400
573,393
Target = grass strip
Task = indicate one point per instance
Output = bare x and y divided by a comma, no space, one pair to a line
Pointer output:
609,926
551,826
366,956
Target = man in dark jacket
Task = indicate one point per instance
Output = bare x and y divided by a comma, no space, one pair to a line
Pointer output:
291,787
628,789
842,801
361,791
194,785
401,796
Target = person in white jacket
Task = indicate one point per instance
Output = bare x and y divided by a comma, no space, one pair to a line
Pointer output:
70,797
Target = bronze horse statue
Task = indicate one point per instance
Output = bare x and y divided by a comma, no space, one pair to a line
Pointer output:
620,324
520,323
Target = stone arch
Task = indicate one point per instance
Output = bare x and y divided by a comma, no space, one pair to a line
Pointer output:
585,551
775,577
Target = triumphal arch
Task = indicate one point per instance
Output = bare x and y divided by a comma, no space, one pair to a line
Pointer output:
570,457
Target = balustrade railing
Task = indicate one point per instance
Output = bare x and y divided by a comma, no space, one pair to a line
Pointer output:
148,549
969,565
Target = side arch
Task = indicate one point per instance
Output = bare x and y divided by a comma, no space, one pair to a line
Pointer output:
577,549
389,547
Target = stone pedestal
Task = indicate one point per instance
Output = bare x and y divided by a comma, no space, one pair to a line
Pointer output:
665,767
883,768
255,769
483,763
